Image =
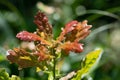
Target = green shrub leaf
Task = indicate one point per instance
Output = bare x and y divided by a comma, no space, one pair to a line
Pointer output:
3,74
14,77
89,63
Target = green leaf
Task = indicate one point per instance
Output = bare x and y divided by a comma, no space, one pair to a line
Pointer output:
2,57
3,74
89,64
14,77
50,76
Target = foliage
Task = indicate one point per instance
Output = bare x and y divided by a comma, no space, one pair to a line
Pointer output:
89,64
102,14
5,76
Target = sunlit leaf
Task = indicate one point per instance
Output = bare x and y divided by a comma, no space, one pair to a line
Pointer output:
89,64
14,77
3,74
38,69
50,76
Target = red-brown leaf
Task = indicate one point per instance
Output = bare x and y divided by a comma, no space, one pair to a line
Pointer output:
41,21
42,53
82,31
68,27
22,58
26,36
74,47
75,31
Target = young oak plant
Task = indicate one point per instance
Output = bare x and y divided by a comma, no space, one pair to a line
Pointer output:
48,50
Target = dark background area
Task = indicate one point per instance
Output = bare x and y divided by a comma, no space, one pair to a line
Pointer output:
104,15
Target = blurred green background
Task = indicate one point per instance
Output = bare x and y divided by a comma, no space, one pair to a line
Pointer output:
104,15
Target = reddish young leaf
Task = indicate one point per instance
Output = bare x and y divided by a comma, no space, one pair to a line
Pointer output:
26,36
74,47
25,59
42,56
13,56
42,53
22,58
74,31
83,30
41,21
68,27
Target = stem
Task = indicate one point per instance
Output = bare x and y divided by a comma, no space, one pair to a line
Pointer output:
21,74
54,64
54,67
